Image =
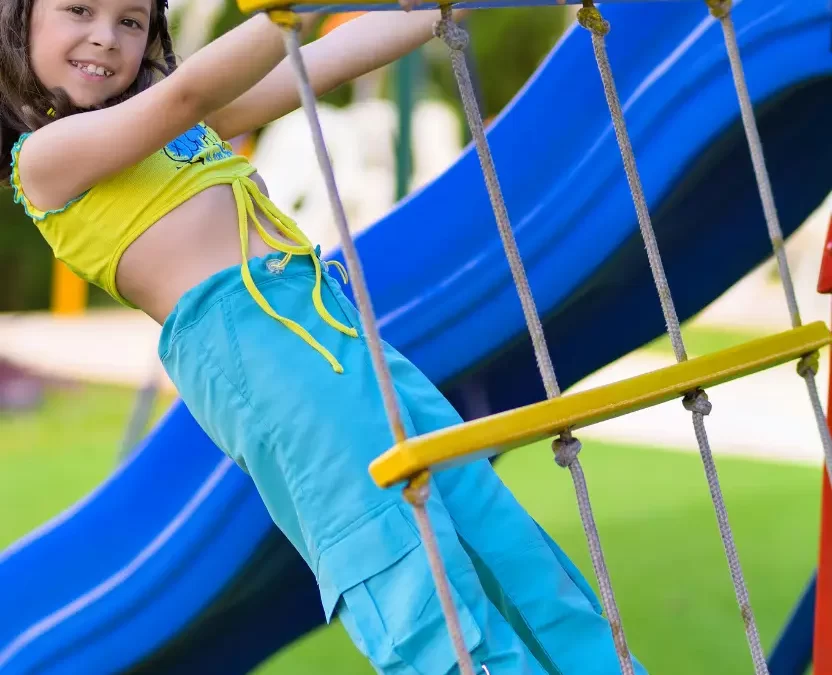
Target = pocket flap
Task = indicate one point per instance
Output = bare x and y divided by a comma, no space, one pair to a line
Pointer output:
372,547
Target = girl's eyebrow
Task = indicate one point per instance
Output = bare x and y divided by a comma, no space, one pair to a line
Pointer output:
139,9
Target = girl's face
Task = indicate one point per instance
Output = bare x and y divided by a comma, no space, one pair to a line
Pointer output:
92,49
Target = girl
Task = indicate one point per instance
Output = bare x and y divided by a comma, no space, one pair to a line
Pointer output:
121,161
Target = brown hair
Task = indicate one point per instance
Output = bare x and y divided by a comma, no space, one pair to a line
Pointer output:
25,102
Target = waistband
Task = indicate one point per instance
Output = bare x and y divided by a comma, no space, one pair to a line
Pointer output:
301,257
198,299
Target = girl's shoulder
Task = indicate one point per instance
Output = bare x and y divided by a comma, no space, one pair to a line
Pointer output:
197,150
31,210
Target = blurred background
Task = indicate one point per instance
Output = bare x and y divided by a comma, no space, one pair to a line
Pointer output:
72,407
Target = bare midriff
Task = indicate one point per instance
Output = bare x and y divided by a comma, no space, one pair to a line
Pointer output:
186,247
222,226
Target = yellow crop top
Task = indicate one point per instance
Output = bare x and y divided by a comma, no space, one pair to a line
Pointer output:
91,233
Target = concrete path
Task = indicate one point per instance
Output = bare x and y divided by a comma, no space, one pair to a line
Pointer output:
109,346
766,415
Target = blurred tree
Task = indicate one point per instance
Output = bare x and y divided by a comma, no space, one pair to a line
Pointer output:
25,260
507,46
230,17
26,263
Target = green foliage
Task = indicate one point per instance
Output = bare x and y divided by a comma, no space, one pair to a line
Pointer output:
507,46
53,456
25,260
663,551
229,18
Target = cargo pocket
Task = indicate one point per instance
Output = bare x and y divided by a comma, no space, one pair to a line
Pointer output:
379,579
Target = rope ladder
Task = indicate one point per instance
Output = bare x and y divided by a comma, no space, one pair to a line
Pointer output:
411,460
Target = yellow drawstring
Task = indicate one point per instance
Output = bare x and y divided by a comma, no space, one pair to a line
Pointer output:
290,228
246,194
341,269
283,262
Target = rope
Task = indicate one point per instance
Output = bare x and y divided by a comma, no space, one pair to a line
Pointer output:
743,599
566,447
807,368
417,494
760,171
696,402
456,38
356,271
566,452
417,491
590,18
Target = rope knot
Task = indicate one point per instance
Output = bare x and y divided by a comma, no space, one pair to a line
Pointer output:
451,33
697,402
809,364
591,19
719,8
417,491
566,449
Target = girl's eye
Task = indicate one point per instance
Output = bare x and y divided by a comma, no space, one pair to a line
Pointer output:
132,23
78,10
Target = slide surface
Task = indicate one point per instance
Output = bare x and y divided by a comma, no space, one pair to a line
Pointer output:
173,565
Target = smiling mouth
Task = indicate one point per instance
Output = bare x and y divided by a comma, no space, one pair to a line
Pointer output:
92,69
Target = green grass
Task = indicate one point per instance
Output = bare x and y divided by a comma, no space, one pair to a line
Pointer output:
652,508
663,551
51,457
701,340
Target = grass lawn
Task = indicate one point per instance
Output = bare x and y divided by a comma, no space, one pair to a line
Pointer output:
701,340
53,456
652,508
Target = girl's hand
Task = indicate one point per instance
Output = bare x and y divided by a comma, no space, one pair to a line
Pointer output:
407,5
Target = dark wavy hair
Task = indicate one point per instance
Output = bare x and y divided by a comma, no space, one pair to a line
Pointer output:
25,102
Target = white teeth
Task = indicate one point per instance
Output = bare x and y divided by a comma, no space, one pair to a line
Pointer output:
92,69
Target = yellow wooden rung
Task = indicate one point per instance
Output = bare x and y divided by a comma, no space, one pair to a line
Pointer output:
514,428
252,6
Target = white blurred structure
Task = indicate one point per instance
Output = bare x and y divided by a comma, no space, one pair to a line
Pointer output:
361,139
196,20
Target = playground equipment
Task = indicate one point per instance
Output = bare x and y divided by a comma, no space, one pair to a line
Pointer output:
411,460
201,580
805,639
69,292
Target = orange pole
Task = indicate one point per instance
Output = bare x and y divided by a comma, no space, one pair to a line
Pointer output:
333,21
69,292
244,145
822,643
822,650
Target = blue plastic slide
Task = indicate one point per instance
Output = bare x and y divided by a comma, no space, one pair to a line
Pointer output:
173,566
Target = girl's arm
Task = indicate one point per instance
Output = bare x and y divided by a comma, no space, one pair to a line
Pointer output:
353,49
69,156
